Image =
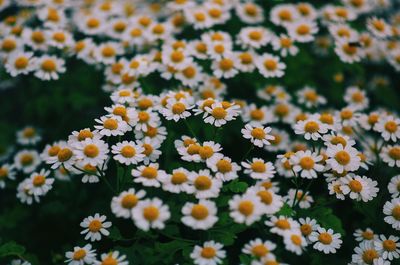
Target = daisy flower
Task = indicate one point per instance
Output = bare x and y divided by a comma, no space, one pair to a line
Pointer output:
91,151
283,14
39,183
270,65
348,53
205,185
281,225
112,257
390,154
223,167
254,37
307,226
20,63
149,176
245,209
294,242
81,255
218,114
393,186
49,67
249,12
128,153
178,181
28,136
6,172
359,188
95,226
285,45
123,204
24,193
378,27
201,215
259,249
342,158
112,125
356,98
27,160
256,116
389,248
334,187
365,253
307,163
302,31
150,213
310,98
257,168
311,128
210,253
259,136
326,240
392,211
364,235
226,66
176,110
389,127
304,200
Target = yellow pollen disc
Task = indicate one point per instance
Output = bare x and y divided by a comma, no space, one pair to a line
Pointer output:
149,173
48,65
201,47
91,150
325,238
349,49
296,240
389,245
311,127
203,183
193,149
394,153
285,15
311,95
178,178
136,32
119,26
95,226
59,37
215,12
84,134
307,163
38,37
246,58
259,250
145,103
208,252
158,29
92,23
3,173
226,64
283,224
379,25
306,229
178,108
342,157
110,124
257,114
265,196
368,235
120,111
199,212
303,29
151,213
128,151
369,256
144,117
396,212
129,201
177,56
338,140
224,166
258,167
281,110
373,118
255,35
26,159
246,207
109,261
258,133
79,254
64,154
391,126
270,64
206,152
355,186
108,51
251,9
21,62
326,118
39,180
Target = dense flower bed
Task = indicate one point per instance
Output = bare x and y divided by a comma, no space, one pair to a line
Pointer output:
212,132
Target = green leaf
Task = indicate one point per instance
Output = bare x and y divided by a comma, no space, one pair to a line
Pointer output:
327,219
11,249
238,186
286,210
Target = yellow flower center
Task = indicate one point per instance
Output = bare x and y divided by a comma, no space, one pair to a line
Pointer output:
178,178
311,127
306,229
64,154
151,213
219,113
270,64
246,58
307,163
389,245
149,173
3,172
342,157
394,153
355,186
110,124
39,180
396,212
38,37
108,51
129,201
177,56
109,261
296,239
158,29
26,159
326,118
59,37
21,62
93,23
84,134
265,196
178,108
258,133
79,254
144,117
368,235
91,150
95,226
203,183
246,207
224,166
128,151
255,35
189,72
250,9
391,126
199,212
226,64
193,149
370,255
285,15
258,167
281,110
49,65
283,224
325,238
303,29
208,252
260,250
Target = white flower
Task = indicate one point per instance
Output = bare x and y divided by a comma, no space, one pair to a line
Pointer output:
365,235
302,30
128,153
390,154
365,253
27,160
307,226
270,66
151,213
294,242
307,163
259,136
205,185
20,62
149,176
378,27
223,167
389,127
7,171
359,188
91,151
81,255
112,125
201,215
218,114
259,249
326,240
311,128
389,248
48,67
342,158
245,209
392,211
95,226
211,253
257,168
176,110
112,257
123,204
393,186
39,184
178,181
281,225
271,201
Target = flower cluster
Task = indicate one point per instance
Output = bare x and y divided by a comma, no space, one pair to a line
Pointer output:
293,147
